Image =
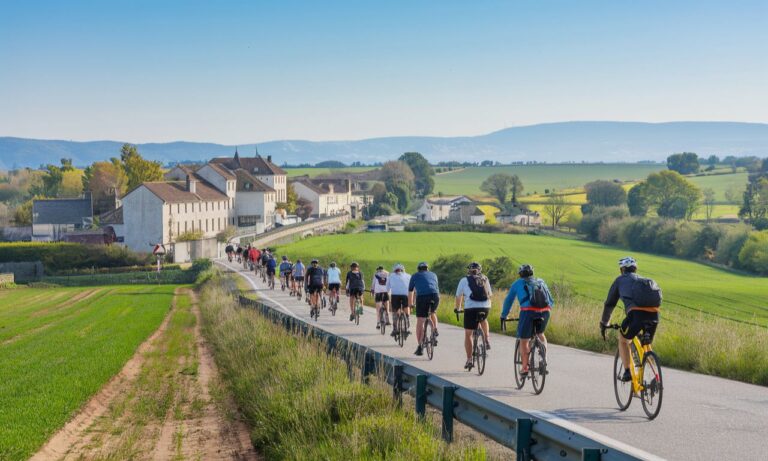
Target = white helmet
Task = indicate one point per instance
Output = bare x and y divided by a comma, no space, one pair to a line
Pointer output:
627,261
397,267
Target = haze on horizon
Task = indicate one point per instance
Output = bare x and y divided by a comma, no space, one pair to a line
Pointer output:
246,72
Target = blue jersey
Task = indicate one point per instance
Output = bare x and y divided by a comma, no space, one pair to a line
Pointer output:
518,290
285,266
271,264
424,282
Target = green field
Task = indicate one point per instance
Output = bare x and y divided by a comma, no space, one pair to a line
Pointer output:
312,172
721,183
588,267
59,346
537,178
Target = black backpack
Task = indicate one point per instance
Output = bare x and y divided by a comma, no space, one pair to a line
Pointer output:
381,278
646,292
536,294
477,285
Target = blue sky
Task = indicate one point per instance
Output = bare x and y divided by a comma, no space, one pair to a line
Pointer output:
238,72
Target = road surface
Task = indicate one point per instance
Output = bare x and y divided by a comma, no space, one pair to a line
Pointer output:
702,417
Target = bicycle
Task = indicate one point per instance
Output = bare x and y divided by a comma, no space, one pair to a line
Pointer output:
479,351
314,312
382,320
402,323
284,281
333,304
428,340
271,282
537,358
646,383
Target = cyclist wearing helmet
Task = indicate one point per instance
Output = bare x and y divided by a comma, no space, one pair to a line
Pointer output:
397,285
535,303
314,281
636,316
475,292
424,290
354,285
271,267
298,277
380,293
285,272
333,280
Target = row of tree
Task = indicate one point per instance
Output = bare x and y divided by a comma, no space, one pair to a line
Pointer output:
402,180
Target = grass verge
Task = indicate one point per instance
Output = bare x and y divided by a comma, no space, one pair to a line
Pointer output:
301,403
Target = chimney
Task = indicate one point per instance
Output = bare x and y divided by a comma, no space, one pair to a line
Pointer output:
269,159
191,184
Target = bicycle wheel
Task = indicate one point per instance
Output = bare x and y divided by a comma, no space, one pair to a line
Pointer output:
653,387
429,331
479,351
357,313
519,379
622,390
535,366
382,322
401,327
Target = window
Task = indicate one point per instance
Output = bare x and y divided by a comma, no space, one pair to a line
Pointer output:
185,208
178,228
185,226
200,224
248,221
206,224
206,206
178,208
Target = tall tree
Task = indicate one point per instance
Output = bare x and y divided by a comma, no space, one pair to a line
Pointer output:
516,187
50,186
105,181
394,172
605,193
422,171
137,169
685,163
671,195
709,202
636,200
556,207
497,185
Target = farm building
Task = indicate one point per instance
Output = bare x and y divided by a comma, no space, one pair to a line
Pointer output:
52,218
521,218
439,208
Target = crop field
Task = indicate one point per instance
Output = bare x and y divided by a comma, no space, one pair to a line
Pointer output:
721,183
312,172
590,268
59,346
537,178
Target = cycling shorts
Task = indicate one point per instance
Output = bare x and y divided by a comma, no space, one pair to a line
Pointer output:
526,323
381,297
634,322
399,302
334,286
298,278
472,317
426,304
270,271
315,288
354,292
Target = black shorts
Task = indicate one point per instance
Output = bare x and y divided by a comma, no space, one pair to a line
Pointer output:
314,288
355,292
636,320
381,297
334,286
297,278
426,305
399,302
270,271
472,316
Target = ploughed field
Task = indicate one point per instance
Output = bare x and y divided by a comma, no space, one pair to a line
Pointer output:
59,346
689,287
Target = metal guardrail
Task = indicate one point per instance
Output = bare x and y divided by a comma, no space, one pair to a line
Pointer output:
530,437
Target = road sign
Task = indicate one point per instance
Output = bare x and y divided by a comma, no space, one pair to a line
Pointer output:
159,250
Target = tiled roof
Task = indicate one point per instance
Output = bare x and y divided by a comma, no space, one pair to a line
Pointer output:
61,211
112,217
222,170
322,186
254,165
244,178
176,191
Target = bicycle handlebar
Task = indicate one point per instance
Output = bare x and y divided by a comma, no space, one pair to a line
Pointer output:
458,312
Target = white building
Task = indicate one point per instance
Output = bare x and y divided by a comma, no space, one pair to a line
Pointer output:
439,208
328,197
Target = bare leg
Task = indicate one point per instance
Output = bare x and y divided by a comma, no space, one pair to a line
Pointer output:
525,350
468,343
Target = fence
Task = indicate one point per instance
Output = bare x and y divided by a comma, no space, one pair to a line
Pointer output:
530,437
24,271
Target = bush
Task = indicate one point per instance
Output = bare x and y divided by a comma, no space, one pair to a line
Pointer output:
754,254
730,244
189,236
590,223
450,269
68,256
498,270
686,240
760,224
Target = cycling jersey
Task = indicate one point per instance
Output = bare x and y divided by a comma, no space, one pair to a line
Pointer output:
424,283
285,266
334,275
621,289
315,276
469,303
355,281
376,284
518,290
398,282
298,270
271,264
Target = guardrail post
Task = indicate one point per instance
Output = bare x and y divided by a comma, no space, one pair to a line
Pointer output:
591,454
397,386
448,413
368,365
523,444
421,395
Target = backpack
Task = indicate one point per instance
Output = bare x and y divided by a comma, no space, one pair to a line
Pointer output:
536,294
646,292
381,278
477,286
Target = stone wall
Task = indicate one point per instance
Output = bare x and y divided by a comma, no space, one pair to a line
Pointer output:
24,271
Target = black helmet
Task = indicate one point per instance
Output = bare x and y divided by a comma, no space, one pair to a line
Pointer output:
314,261
423,266
526,270
298,261
380,268
354,264
333,264
475,266
285,258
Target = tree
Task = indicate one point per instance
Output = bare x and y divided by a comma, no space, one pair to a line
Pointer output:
497,185
638,205
671,195
137,169
515,187
709,202
393,172
713,160
556,207
22,216
755,204
291,200
403,194
304,208
754,253
605,193
71,183
50,186
685,163
422,171
105,181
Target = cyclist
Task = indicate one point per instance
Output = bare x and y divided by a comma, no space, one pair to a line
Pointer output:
535,303
380,294
354,285
397,285
636,316
314,282
298,277
256,258
424,290
285,272
475,291
333,281
239,253
264,259
230,250
271,267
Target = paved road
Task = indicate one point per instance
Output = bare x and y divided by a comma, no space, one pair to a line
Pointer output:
702,418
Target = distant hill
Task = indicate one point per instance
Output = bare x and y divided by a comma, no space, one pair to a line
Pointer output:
551,142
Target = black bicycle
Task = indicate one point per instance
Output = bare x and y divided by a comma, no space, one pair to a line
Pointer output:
479,350
402,323
537,358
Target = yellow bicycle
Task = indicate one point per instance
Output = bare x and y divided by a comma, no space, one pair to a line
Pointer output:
646,383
